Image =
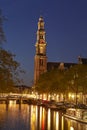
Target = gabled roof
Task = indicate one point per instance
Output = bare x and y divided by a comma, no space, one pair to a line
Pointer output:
84,60
55,65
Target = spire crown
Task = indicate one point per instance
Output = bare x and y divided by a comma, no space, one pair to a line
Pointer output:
41,19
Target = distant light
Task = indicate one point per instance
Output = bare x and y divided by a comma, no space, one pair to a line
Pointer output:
71,128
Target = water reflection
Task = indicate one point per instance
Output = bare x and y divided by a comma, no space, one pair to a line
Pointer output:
31,117
74,125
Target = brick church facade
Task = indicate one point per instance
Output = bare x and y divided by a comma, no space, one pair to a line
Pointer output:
40,60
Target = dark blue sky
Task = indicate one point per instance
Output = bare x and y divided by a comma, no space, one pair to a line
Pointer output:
65,25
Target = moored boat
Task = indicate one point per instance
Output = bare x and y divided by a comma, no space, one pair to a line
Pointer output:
76,114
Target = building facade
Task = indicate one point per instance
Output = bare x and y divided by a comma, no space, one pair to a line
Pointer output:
40,59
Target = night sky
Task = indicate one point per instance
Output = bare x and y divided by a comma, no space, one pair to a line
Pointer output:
65,25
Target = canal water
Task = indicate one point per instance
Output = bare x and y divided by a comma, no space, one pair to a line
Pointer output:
31,117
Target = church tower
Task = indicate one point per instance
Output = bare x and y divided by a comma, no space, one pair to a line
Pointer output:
40,60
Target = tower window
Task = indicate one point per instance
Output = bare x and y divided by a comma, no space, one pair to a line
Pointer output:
41,36
41,62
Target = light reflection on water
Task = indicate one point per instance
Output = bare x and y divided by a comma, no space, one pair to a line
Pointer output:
74,125
31,117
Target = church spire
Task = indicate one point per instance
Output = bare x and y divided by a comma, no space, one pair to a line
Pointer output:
40,65
41,23
41,38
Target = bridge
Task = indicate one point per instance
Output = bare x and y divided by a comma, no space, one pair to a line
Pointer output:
15,98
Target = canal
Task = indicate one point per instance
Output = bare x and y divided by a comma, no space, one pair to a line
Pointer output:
32,117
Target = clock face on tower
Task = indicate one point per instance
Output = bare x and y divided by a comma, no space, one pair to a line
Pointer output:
41,50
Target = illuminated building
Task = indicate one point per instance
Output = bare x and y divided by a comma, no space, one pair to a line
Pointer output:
40,60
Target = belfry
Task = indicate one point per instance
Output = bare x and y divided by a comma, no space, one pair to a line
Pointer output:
40,60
